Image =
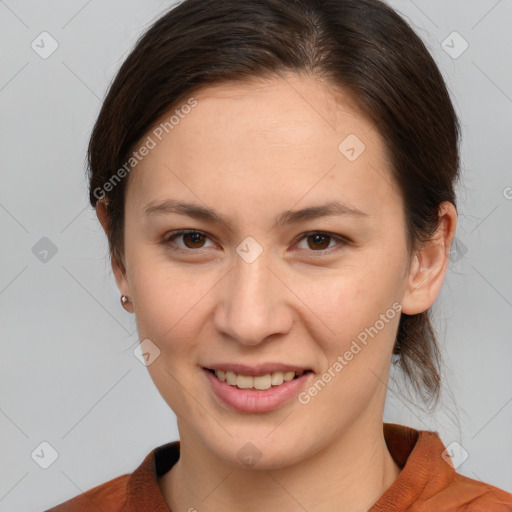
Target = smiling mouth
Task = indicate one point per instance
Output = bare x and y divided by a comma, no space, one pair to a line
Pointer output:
260,382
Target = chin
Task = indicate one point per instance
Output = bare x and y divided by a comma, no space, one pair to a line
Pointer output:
260,451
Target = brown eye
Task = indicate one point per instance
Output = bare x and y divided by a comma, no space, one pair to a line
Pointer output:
190,240
319,241
193,240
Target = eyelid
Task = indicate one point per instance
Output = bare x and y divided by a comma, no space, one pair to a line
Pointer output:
342,241
169,238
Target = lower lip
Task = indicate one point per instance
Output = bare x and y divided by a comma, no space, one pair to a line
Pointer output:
249,400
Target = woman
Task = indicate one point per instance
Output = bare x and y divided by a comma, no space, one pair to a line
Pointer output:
276,182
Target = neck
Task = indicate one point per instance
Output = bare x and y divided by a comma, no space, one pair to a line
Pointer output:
351,473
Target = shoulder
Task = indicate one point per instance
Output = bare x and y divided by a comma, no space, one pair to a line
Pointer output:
470,495
131,492
455,491
428,481
109,496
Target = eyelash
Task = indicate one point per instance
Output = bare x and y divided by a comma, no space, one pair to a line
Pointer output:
169,240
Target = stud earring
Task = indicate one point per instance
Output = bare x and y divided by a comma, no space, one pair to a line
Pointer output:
124,300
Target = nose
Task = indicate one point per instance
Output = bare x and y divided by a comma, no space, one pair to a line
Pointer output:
253,303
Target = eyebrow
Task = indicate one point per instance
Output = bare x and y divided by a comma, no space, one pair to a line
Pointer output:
333,208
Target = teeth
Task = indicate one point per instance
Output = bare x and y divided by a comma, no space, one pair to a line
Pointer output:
277,378
287,376
231,378
244,382
260,382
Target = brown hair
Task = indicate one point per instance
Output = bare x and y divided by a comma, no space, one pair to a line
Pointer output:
362,47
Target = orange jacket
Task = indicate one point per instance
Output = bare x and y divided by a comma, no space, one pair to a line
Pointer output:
427,483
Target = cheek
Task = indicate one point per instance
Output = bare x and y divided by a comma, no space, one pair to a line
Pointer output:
348,299
169,302
362,317
170,312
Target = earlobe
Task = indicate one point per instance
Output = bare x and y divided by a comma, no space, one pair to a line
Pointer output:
118,268
428,270
119,271
422,288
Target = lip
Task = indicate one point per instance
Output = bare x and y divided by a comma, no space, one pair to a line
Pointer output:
252,401
255,371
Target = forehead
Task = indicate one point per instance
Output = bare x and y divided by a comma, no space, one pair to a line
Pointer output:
270,139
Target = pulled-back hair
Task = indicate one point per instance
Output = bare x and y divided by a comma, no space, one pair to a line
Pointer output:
360,47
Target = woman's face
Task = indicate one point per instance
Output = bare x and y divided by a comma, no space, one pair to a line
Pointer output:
262,286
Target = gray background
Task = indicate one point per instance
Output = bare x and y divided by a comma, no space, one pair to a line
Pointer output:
67,372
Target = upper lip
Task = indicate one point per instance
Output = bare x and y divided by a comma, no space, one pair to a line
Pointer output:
254,371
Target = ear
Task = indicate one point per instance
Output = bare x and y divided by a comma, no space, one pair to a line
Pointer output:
430,263
117,266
